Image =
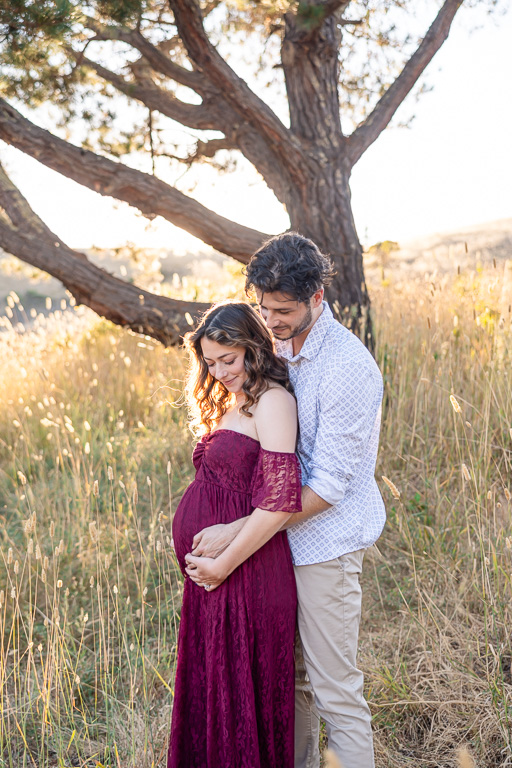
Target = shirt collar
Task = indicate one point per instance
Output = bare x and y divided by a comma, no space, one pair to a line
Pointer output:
314,339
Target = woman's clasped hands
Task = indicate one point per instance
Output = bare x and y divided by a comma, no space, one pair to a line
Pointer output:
206,572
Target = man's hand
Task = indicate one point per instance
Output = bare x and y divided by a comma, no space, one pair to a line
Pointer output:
212,541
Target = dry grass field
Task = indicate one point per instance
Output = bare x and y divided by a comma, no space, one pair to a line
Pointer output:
94,455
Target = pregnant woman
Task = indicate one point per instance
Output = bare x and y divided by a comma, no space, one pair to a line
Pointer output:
234,692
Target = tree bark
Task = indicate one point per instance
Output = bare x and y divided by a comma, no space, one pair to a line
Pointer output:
328,221
323,211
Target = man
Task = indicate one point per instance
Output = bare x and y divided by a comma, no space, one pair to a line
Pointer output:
338,388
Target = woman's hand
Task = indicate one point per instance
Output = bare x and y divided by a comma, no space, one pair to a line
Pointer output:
205,572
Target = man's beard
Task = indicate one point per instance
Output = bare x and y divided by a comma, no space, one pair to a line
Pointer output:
303,325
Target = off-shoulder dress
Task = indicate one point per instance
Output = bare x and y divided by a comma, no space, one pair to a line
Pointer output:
234,692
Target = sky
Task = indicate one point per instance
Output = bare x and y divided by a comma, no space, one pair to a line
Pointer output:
451,169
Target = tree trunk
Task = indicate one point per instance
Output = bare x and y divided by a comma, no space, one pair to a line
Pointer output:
326,217
322,208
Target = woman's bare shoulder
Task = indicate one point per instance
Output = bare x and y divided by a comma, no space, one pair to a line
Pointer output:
276,419
277,395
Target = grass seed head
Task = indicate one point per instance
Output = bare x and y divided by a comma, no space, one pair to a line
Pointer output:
93,532
464,759
331,760
465,472
392,487
455,404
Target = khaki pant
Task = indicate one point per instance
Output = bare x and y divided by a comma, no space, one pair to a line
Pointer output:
328,683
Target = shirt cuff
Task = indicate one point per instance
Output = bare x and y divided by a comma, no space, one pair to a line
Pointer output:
325,485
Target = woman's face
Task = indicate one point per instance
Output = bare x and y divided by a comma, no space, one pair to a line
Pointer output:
226,364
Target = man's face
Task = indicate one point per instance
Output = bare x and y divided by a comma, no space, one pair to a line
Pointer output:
285,317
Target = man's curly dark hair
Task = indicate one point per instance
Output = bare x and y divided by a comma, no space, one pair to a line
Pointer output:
291,264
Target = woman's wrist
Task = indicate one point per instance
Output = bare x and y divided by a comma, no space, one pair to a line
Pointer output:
224,565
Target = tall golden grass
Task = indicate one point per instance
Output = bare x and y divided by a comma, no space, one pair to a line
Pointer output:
436,638
95,453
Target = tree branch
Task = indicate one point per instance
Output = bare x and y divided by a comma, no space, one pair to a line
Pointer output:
269,161
191,115
380,117
123,303
150,195
203,149
236,92
273,162
152,53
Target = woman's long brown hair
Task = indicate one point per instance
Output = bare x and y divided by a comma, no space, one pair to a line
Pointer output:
233,324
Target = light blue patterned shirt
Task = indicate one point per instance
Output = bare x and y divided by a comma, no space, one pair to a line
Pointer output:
338,387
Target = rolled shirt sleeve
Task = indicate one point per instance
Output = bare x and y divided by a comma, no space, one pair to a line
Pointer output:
349,406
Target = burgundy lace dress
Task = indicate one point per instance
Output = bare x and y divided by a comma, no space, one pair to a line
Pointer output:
234,692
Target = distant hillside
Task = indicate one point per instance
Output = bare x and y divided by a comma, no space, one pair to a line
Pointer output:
466,248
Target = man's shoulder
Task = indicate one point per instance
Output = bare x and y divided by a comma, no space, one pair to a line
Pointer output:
342,348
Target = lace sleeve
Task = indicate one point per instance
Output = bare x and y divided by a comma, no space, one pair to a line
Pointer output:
277,482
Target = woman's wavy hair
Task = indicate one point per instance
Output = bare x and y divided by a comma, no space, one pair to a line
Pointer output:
233,324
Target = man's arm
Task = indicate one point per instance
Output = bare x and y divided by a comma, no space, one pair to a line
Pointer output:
212,541
312,504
